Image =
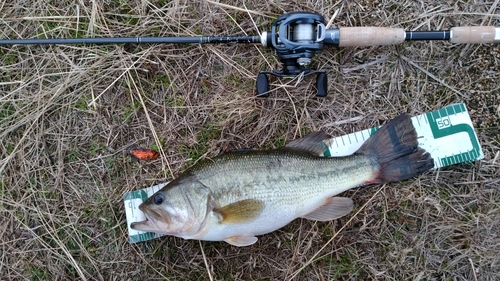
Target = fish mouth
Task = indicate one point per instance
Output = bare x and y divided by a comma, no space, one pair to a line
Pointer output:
155,221
147,226
144,225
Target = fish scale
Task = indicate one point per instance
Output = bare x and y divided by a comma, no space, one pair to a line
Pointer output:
299,176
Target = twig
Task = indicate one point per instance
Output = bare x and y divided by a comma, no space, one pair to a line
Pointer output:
206,262
347,70
434,77
311,260
237,8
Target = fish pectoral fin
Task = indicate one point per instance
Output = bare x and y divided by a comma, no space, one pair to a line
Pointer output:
333,208
241,240
313,143
239,212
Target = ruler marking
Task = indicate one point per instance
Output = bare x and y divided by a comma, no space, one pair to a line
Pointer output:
450,110
462,107
443,112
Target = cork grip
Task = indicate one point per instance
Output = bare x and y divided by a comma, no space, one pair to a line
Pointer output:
370,36
473,34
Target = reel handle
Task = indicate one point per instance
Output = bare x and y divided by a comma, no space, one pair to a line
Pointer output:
262,84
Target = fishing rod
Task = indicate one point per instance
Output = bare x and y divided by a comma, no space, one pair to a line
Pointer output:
296,37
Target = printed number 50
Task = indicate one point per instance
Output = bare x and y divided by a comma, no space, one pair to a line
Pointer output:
443,122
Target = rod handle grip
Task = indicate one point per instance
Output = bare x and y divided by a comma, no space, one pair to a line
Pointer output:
473,34
370,36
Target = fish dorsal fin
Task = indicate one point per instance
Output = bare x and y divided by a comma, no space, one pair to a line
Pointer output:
241,150
239,212
313,143
241,240
333,208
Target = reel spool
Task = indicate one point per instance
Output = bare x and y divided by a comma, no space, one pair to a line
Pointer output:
295,37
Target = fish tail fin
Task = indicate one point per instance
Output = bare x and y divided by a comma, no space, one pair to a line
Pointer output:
394,148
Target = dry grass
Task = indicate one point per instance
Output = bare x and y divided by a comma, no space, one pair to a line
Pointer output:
67,113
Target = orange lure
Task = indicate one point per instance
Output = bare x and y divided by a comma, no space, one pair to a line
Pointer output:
144,154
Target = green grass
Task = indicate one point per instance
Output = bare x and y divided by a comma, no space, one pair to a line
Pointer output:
6,111
200,148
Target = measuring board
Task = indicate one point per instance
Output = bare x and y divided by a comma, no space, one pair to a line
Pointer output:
447,134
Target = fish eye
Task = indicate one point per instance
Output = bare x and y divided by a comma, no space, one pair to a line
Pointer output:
158,199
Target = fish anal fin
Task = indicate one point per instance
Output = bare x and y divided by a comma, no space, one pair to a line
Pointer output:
240,212
313,143
333,208
241,240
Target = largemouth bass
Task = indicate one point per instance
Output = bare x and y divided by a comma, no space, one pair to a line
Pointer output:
238,195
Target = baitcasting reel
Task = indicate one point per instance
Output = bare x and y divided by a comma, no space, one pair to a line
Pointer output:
295,38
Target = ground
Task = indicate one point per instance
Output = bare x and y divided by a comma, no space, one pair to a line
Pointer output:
68,114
